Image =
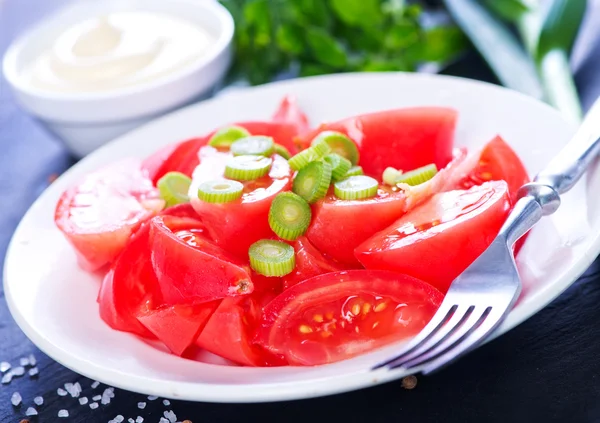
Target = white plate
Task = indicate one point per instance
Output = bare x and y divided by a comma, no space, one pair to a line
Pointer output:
54,302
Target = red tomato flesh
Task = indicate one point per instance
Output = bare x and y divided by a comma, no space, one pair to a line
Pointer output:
190,267
99,215
178,326
402,138
309,263
289,112
236,225
339,315
497,161
436,241
131,286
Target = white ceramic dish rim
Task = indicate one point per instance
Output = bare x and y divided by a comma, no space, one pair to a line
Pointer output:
279,391
12,75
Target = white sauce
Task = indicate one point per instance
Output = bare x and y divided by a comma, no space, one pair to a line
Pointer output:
118,50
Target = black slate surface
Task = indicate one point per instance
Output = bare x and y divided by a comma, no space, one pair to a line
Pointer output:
545,370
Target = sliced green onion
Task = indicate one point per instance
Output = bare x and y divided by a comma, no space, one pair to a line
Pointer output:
173,188
390,175
272,258
247,168
354,171
220,191
339,165
356,188
289,216
253,146
282,151
339,144
224,137
311,154
312,181
418,176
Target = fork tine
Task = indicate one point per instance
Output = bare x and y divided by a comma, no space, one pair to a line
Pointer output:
439,318
469,342
461,313
474,320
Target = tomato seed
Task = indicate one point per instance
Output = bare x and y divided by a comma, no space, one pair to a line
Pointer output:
366,308
356,309
380,307
305,329
318,318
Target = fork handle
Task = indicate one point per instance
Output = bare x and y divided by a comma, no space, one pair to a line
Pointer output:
570,164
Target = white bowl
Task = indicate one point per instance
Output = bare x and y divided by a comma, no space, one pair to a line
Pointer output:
54,301
85,121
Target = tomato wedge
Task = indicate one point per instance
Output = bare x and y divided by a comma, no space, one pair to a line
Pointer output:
436,241
236,225
131,286
497,161
339,315
339,226
178,326
289,112
190,267
98,215
309,263
402,138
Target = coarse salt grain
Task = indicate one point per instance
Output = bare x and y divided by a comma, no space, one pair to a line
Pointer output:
38,400
96,397
141,405
94,405
63,413
170,415
6,378
31,412
163,420
61,392
33,371
119,418
95,384
4,366
166,402
139,419
32,360
24,361
16,399
152,397
83,400
18,371
130,420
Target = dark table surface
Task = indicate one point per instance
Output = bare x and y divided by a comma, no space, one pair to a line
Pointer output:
545,370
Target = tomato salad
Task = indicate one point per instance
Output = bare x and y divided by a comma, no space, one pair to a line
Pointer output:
271,243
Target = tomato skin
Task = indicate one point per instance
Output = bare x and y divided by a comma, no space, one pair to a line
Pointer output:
99,215
236,225
289,112
153,164
497,161
178,326
338,226
287,313
402,138
193,271
129,284
434,243
309,263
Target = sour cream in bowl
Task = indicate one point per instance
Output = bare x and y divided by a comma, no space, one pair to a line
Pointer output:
96,70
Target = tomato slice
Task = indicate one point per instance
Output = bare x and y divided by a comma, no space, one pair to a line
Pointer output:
289,112
309,263
98,215
338,226
190,267
131,286
402,138
436,241
339,315
236,225
178,326
153,164
497,161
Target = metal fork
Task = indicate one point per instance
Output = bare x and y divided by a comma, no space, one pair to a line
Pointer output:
480,298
